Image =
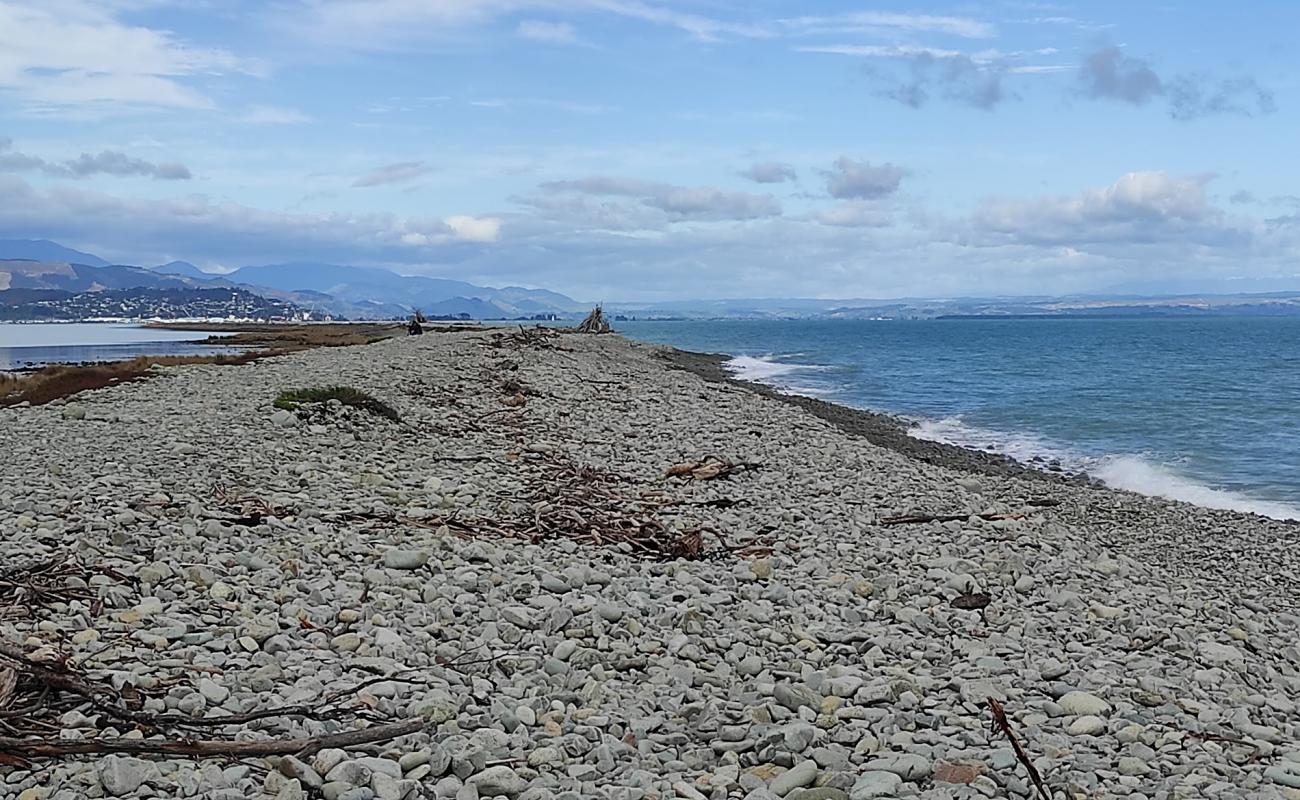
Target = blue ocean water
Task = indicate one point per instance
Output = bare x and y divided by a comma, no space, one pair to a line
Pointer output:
1199,409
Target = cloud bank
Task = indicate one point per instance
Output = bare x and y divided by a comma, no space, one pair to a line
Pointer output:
106,162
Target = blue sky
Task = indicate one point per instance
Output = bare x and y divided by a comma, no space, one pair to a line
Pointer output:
642,149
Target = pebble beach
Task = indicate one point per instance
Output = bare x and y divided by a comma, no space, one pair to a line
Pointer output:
814,645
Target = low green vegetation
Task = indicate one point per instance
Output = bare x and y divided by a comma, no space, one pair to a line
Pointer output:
349,396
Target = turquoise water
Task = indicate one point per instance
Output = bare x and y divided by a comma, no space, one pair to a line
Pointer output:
1204,410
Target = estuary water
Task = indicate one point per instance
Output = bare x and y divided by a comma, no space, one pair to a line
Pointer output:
26,345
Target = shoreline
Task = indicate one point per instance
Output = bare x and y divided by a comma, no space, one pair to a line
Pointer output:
892,432
878,427
561,610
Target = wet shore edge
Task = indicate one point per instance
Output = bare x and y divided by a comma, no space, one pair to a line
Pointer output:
881,429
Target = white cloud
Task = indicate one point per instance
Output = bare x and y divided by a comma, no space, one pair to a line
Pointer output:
106,162
475,229
212,230
855,215
679,202
72,52
876,21
1140,207
401,172
880,51
388,23
849,179
769,172
560,33
273,115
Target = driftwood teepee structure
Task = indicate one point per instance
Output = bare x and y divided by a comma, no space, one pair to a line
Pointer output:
595,323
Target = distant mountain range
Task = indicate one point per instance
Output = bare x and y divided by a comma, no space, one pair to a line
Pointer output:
383,289
332,290
336,291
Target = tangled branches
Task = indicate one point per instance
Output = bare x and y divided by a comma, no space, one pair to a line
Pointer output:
37,689
535,338
26,587
598,509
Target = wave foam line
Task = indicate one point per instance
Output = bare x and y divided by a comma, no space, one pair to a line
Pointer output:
1129,472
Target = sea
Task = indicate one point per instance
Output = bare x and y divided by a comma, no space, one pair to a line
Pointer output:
30,345
1205,410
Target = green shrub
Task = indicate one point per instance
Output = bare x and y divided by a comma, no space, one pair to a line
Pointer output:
290,400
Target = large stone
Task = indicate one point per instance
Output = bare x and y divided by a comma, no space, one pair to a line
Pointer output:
798,776
908,766
405,559
121,776
1087,725
499,781
1083,704
794,696
876,783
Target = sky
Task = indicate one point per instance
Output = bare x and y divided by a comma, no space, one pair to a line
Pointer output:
665,149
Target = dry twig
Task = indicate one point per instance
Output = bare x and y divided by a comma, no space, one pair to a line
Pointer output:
1003,726
922,518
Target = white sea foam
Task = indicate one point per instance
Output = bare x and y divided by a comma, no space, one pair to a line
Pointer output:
1140,475
780,375
1130,472
762,370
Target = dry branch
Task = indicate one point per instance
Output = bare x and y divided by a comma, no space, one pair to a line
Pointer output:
535,338
923,518
708,468
26,587
35,692
1003,726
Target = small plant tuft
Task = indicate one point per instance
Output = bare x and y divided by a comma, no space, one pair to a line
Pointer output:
290,399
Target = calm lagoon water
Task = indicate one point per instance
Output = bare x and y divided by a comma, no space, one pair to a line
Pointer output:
24,345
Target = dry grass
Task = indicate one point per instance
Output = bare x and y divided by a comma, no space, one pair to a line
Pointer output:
293,337
59,381
347,395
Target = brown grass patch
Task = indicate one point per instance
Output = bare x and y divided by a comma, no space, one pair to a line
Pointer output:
60,380
293,337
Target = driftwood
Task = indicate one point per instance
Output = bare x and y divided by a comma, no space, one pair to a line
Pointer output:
594,323
708,468
1003,726
922,518
55,748
26,587
565,500
535,338
35,691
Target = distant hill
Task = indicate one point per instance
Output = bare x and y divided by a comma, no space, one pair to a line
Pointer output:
323,289
43,250
183,268
368,285
15,274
